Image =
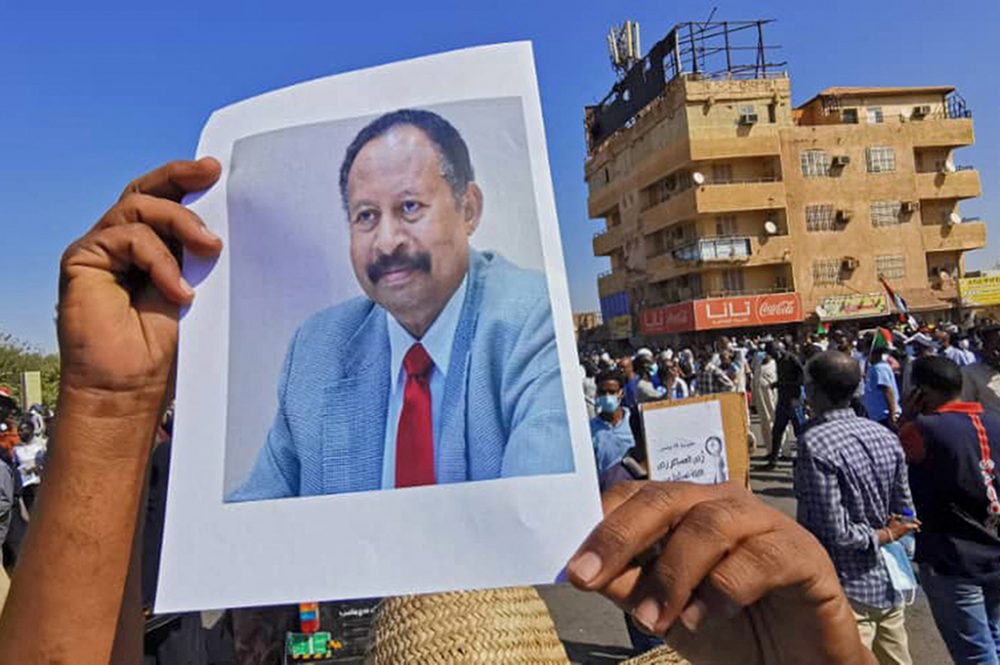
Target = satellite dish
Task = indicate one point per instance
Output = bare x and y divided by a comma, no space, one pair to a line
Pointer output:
698,178
949,166
954,218
770,228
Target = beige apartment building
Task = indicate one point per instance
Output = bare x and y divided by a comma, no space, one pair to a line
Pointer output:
725,207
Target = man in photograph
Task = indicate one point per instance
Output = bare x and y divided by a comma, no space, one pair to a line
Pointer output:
446,370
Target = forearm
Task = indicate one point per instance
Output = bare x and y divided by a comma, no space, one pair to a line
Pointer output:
75,558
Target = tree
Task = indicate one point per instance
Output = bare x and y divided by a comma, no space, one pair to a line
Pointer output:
17,356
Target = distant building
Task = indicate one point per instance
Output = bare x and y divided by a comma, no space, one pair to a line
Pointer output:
727,208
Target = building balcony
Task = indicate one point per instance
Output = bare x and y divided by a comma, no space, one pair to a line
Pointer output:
759,194
958,185
715,250
730,147
608,241
940,131
968,235
601,201
609,283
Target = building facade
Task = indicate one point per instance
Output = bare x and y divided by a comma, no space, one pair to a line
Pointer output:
726,207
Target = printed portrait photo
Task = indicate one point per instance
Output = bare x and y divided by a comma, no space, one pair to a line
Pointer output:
391,321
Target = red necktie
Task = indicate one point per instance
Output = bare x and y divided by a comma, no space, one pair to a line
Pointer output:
415,435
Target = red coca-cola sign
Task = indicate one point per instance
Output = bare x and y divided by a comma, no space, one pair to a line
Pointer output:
669,319
742,311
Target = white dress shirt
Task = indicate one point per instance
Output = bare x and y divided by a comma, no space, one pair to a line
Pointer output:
437,341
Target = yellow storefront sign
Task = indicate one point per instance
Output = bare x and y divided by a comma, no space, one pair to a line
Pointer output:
620,327
979,291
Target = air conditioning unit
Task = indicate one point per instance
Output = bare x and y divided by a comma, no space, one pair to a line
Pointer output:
910,207
748,118
921,111
844,215
849,263
840,161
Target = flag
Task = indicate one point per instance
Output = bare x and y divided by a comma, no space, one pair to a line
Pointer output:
883,339
900,303
822,328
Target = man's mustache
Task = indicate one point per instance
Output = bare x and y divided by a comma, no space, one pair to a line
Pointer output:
399,260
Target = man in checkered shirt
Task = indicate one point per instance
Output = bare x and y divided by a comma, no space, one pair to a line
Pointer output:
851,486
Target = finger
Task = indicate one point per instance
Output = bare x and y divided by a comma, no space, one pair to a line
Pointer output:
774,560
634,526
704,536
120,249
175,179
169,219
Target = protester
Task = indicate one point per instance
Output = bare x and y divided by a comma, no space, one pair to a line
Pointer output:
675,386
952,448
765,393
981,380
8,507
711,378
609,429
29,455
789,385
645,389
850,483
881,390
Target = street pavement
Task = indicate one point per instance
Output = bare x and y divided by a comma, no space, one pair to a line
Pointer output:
593,629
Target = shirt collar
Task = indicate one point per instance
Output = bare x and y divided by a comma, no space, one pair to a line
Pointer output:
961,407
840,414
436,341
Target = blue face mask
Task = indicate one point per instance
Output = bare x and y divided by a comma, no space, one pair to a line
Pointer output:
654,369
607,403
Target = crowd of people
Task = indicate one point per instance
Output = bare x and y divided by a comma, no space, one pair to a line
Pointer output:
896,431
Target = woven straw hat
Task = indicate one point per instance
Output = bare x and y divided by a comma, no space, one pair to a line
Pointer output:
659,656
497,626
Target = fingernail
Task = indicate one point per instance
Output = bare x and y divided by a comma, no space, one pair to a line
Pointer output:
186,288
586,566
647,613
208,234
693,614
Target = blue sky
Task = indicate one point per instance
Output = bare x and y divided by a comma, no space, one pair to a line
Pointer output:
97,93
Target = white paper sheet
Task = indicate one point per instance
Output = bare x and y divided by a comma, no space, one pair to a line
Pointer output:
686,443
493,533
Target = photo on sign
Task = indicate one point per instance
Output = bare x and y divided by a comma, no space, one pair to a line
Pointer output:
685,443
381,363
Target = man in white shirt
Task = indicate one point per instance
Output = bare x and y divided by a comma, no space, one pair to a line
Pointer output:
981,380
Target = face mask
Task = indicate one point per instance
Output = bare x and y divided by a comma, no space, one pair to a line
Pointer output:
654,368
607,403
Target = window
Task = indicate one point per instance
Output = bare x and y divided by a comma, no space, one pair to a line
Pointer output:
886,213
849,116
821,218
722,173
826,271
875,115
881,159
890,266
772,113
815,163
725,225
732,280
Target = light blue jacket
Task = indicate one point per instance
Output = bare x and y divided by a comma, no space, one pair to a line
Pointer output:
503,409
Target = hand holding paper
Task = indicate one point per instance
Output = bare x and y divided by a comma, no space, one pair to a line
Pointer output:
724,577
